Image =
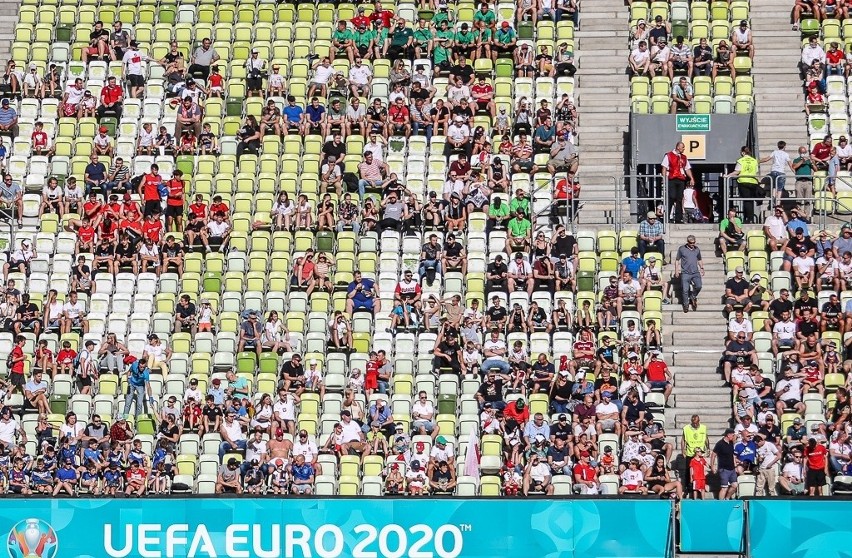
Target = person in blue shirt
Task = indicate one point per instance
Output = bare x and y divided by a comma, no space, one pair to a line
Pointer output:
303,476
380,411
293,116
362,295
237,386
316,117
113,480
139,383
92,455
796,221
746,453
95,174
632,263
66,478
90,478
42,477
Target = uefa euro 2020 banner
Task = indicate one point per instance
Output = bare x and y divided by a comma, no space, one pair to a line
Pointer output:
330,528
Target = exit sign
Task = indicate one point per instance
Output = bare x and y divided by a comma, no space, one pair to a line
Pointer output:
693,122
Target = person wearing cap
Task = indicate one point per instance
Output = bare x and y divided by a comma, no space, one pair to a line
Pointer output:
250,335
102,144
650,237
742,40
256,70
505,41
723,63
736,292
661,58
228,478
133,70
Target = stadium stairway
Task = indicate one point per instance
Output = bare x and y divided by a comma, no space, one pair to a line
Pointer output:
694,341
779,100
603,105
8,19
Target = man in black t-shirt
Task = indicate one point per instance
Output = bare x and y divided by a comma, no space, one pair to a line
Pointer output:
564,243
491,390
335,147
448,355
453,258
211,416
292,374
27,316
463,70
561,429
497,274
722,461
98,43
185,316
497,315
736,292
804,301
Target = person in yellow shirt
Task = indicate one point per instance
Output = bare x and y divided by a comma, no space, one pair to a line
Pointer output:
694,437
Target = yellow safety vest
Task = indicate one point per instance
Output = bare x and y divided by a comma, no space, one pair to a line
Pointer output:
694,438
748,169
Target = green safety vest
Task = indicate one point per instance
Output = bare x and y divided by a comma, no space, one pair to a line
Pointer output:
748,169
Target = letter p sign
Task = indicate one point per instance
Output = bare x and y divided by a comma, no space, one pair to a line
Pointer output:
695,146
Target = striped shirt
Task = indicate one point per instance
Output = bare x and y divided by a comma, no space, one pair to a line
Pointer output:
120,173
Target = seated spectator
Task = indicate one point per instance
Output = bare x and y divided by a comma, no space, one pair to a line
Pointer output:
203,57
682,94
651,235
723,63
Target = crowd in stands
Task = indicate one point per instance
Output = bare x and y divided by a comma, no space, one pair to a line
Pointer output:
690,58
786,357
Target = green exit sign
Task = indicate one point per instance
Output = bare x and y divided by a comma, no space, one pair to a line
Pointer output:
693,122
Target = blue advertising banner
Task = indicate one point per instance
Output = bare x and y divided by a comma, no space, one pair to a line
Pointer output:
799,528
712,526
325,528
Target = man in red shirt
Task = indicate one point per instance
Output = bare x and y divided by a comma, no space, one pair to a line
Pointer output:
131,227
834,59
16,360
174,202
658,375
149,190
381,17
218,207
585,476
360,19
93,208
111,96
821,153
130,208
398,119
197,220
85,235
483,94
152,228
678,171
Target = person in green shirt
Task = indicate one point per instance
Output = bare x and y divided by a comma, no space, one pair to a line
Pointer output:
483,39
464,42
520,202
381,42
364,41
442,15
441,46
731,233
341,42
401,40
519,239
498,214
423,36
486,16
505,41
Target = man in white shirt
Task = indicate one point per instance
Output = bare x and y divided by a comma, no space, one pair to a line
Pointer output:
661,63
629,293
218,232
783,333
8,428
520,273
495,351
134,73
453,185
422,413
811,53
640,59
607,415
458,136
537,476
376,146
780,163
322,73
256,451
747,424
360,79
352,436
740,324
457,91
775,229
788,393
73,312
767,456
803,269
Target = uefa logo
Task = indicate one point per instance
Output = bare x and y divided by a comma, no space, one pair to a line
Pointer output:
32,538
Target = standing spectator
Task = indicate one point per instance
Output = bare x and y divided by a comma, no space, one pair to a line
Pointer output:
780,163
804,166
133,70
203,57
678,173
722,462
748,186
690,267
139,385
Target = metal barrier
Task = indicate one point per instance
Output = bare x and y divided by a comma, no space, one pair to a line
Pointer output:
820,210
